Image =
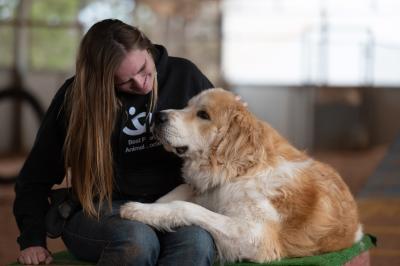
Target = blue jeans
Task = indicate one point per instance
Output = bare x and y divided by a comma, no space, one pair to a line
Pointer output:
114,241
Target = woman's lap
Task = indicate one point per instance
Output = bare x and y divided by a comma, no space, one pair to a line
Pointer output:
115,241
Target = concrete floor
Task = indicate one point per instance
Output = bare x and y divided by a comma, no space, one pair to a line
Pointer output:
380,216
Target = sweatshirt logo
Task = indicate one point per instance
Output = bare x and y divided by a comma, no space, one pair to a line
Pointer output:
138,122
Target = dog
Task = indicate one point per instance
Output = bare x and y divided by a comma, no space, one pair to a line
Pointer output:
259,197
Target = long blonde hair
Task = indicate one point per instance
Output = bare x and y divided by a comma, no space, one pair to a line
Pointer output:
92,109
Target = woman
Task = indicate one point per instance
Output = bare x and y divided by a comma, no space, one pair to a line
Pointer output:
97,127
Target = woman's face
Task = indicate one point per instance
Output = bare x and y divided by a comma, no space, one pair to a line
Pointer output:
136,73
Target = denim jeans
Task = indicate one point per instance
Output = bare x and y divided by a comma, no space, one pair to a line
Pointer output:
113,241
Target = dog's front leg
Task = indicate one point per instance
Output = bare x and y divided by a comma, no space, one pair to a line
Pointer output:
236,239
163,216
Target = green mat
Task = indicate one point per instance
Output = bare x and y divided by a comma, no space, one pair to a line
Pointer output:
331,259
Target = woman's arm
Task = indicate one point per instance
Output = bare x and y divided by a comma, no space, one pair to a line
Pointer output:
43,168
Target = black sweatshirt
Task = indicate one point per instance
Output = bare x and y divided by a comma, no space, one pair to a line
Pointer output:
144,171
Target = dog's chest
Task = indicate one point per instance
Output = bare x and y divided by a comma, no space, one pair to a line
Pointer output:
239,200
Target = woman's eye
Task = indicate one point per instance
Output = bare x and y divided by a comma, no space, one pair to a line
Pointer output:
203,115
142,69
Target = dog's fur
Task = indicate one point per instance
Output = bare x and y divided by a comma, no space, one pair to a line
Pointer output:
259,197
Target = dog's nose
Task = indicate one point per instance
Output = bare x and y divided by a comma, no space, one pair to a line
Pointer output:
160,118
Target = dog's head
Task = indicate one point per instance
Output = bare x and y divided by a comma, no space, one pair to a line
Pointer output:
216,130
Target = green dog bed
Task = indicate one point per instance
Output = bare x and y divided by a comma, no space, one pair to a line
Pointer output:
331,259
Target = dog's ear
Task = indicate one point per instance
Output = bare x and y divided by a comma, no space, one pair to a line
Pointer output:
241,144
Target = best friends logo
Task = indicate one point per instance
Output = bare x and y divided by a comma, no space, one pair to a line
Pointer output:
138,123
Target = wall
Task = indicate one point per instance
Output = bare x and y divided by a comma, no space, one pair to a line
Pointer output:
289,110
296,113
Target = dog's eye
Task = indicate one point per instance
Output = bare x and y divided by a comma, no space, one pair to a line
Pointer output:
203,115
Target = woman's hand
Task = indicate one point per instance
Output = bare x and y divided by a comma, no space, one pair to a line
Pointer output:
35,255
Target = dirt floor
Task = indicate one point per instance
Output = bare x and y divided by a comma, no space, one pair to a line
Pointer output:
380,217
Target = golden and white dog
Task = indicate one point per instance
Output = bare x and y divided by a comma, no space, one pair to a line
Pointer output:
259,197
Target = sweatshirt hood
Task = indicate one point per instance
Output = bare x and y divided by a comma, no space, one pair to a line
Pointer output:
161,60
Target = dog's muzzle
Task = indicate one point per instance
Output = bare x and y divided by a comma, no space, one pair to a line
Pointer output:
160,120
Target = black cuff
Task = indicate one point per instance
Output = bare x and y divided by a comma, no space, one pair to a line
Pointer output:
34,239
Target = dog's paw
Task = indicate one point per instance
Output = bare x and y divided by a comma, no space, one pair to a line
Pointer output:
132,211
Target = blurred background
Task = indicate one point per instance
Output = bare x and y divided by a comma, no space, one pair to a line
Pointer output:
325,73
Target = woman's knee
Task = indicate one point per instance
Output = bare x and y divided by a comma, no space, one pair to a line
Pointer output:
121,229
133,243
201,240
130,252
191,244
115,241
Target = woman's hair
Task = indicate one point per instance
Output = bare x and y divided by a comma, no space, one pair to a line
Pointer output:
92,108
